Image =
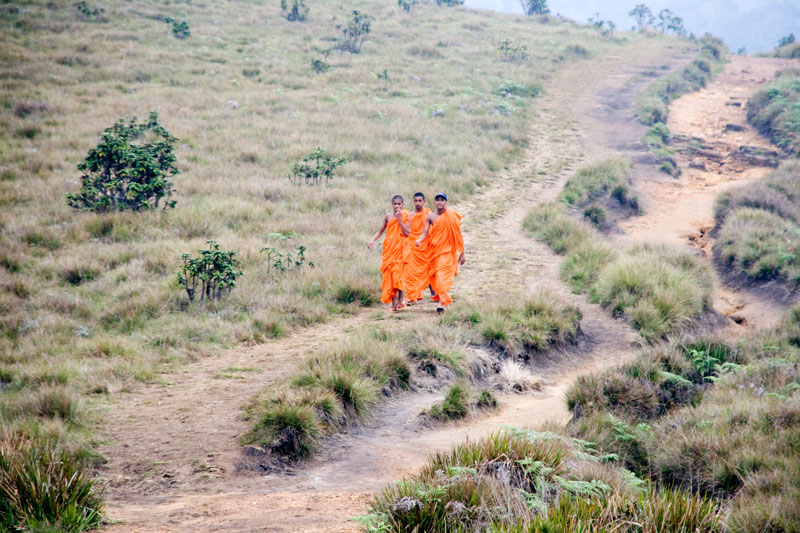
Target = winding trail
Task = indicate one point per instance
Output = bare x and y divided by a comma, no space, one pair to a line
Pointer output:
174,458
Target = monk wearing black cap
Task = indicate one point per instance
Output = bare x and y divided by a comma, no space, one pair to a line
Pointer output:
445,248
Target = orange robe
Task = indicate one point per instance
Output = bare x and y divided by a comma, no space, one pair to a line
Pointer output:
445,244
393,259
417,278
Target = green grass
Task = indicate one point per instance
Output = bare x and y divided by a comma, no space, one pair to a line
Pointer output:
455,405
661,290
595,181
518,481
732,432
759,228
775,111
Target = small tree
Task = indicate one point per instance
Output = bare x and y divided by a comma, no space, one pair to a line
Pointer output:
297,11
314,166
664,19
642,15
214,271
676,27
534,7
355,32
787,39
123,174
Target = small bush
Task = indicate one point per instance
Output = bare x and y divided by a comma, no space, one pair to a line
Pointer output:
283,262
524,91
314,167
121,174
319,66
355,32
214,270
595,214
89,13
406,5
42,488
595,180
296,11
509,52
534,7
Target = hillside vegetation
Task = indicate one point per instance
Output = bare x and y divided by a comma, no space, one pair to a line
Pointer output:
775,111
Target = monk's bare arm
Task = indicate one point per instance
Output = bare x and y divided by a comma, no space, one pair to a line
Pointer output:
379,233
425,231
403,227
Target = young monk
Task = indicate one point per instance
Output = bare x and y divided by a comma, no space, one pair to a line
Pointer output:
392,258
445,249
417,278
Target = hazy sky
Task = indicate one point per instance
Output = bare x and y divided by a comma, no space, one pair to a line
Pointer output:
754,24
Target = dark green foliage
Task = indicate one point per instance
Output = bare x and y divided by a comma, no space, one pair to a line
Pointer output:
123,174
294,10
355,32
290,430
786,40
314,167
509,52
43,488
534,7
449,3
486,399
319,66
348,293
775,111
180,29
642,15
510,88
90,13
214,270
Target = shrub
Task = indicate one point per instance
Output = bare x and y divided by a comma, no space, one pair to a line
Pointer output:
180,29
534,7
43,488
278,262
90,13
510,88
595,214
214,270
355,32
314,166
121,174
509,52
296,11
319,66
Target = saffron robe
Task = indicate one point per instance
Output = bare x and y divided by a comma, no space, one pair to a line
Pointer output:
393,259
446,242
416,276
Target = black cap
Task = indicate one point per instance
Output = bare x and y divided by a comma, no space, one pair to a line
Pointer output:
440,195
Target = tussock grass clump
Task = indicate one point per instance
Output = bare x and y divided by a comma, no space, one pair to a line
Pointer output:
517,481
329,390
596,180
660,288
523,325
455,404
42,488
775,111
759,228
738,427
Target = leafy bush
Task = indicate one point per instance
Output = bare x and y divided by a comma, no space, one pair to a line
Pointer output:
454,406
279,262
43,489
314,166
297,11
509,52
355,32
122,174
180,28
214,270
90,13
534,7
319,66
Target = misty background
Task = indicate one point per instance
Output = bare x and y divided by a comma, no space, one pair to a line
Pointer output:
755,25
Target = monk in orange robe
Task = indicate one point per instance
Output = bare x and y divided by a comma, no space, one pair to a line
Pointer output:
393,257
417,278
445,249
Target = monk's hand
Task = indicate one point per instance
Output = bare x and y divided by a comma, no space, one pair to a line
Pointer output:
462,259
419,241
369,246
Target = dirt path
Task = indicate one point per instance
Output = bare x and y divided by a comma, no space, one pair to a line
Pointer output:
173,447
681,210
